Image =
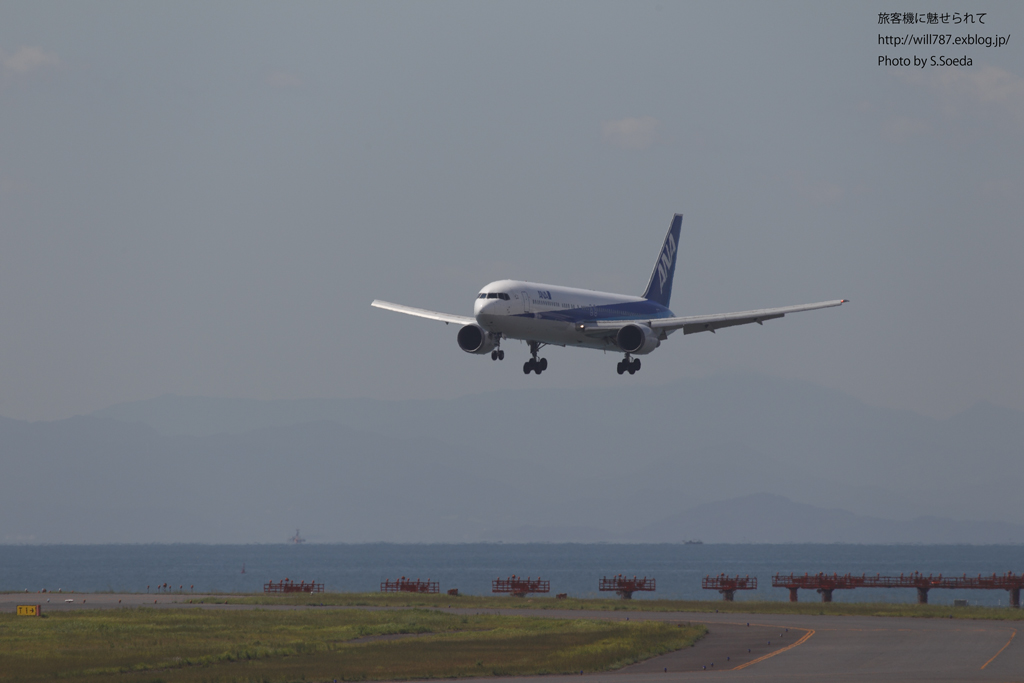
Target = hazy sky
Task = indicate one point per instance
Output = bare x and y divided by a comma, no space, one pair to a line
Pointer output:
203,198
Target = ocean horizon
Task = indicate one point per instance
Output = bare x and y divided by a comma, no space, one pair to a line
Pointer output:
573,568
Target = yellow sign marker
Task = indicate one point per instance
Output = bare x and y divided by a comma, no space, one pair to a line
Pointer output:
30,610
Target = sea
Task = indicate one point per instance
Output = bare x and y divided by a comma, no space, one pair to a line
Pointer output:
572,568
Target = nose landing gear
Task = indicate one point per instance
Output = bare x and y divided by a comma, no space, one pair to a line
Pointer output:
535,364
627,365
497,353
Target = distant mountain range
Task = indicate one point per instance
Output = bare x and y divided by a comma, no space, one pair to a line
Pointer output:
721,459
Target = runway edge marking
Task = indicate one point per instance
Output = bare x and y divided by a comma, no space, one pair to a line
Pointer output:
1012,636
810,632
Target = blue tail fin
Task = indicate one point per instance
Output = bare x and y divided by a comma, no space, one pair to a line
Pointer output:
659,289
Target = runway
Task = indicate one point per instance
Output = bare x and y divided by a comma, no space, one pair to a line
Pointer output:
823,648
772,648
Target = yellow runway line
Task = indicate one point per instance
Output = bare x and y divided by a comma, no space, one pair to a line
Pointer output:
1012,636
810,632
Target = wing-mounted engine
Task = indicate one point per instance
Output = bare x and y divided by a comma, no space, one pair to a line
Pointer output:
475,339
637,339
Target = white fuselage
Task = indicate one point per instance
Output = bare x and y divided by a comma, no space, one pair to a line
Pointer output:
549,314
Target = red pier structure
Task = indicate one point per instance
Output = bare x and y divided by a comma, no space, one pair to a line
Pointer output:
728,585
404,585
289,586
825,583
625,586
519,587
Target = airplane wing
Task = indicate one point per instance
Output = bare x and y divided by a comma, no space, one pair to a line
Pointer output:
708,323
423,313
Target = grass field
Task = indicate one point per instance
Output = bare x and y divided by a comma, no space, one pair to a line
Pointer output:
191,644
880,609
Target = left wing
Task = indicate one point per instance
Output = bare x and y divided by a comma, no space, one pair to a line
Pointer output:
424,313
708,323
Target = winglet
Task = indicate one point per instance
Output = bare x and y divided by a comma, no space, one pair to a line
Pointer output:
659,289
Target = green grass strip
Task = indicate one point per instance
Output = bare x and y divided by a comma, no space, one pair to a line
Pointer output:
183,645
868,609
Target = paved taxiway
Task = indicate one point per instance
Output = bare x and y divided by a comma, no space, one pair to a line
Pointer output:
781,647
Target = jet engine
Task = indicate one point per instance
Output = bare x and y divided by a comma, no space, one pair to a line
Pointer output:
475,339
637,339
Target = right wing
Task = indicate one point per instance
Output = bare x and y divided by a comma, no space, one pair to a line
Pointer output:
423,313
701,323
710,323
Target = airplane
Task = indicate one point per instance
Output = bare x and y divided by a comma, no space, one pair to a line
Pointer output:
549,315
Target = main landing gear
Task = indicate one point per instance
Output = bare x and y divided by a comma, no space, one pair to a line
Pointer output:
497,354
535,365
627,365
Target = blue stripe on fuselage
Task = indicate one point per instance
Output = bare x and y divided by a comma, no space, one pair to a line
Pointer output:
630,310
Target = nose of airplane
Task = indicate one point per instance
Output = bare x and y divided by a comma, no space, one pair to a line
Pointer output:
487,307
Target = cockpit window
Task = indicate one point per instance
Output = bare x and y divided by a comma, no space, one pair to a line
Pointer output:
503,296
481,296
492,295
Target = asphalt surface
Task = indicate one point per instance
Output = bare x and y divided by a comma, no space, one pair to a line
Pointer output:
772,648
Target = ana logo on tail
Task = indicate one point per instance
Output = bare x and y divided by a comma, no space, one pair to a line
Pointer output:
659,287
665,262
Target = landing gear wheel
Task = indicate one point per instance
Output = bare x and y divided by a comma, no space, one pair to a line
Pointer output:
621,367
501,355
494,355
631,368
636,366
535,364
